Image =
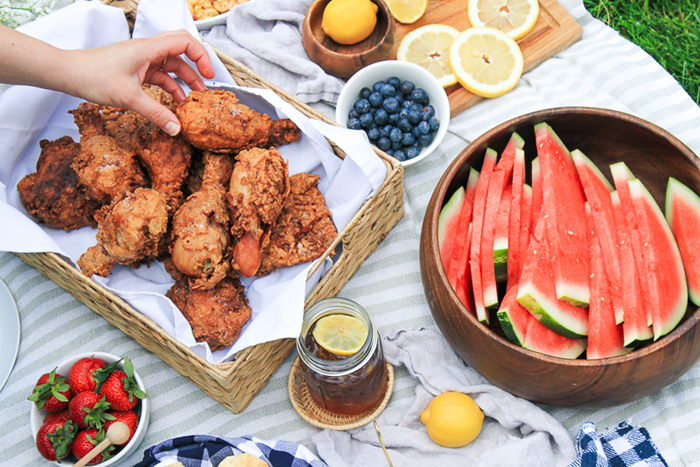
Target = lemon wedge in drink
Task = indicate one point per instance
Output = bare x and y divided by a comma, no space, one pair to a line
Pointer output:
407,11
429,47
513,17
486,61
340,334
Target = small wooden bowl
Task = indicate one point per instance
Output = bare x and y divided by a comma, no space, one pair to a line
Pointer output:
344,60
605,136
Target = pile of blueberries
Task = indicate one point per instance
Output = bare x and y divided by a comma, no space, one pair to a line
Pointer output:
396,116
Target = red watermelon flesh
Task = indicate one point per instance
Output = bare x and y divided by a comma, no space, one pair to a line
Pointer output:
462,285
664,266
605,336
459,266
514,218
525,228
683,216
500,238
448,230
477,228
635,328
597,190
537,292
499,180
536,204
540,338
563,203
513,317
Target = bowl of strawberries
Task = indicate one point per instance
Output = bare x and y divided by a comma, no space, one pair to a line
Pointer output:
74,404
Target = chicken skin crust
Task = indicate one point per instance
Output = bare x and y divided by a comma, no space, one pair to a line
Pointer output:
213,120
51,195
217,315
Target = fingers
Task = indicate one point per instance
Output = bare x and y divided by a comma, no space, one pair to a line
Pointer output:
183,71
165,81
181,42
157,113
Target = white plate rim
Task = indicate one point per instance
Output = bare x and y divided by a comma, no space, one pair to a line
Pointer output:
9,332
207,23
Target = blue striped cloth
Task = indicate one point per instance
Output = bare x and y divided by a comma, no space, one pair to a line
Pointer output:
623,446
206,451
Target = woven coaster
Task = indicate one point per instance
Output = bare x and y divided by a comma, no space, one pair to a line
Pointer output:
310,411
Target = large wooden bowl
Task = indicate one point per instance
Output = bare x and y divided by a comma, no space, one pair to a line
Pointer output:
344,60
606,137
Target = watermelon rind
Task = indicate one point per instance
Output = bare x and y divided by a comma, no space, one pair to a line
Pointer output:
686,232
449,213
548,312
513,328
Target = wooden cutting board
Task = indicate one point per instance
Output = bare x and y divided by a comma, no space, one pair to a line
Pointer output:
554,31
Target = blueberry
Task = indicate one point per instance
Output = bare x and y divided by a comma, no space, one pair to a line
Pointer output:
424,128
378,85
425,140
365,92
407,87
403,113
400,155
393,119
405,126
388,90
375,99
391,105
434,124
362,106
396,145
408,139
383,143
400,98
381,117
419,95
373,134
406,104
416,106
414,117
395,135
412,152
354,123
416,131
366,120
430,109
394,81
353,113
385,131
390,152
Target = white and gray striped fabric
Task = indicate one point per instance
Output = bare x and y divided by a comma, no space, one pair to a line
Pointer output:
601,70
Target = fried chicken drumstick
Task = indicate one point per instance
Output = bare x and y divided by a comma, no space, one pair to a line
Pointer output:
213,120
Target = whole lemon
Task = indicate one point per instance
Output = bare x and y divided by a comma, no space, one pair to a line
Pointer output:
453,419
349,21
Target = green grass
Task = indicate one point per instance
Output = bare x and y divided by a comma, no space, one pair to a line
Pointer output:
669,30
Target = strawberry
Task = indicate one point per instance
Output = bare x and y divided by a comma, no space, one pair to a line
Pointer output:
87,373
54,439
129,417
87,409
63,415
88,439
121,389
51,393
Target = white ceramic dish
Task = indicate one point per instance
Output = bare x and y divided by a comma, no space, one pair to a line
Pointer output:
207,23
9,333
37,417
403,70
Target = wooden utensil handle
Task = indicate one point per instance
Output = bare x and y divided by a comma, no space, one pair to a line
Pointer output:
93,453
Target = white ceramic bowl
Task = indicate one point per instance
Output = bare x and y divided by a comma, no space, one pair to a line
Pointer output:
207,23
403,70
142,410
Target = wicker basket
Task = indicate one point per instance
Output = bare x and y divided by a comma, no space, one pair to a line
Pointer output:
235,383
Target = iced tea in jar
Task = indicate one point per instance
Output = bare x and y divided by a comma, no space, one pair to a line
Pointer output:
341,357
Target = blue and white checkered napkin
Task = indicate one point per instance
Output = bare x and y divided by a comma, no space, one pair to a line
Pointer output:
623,446
209,451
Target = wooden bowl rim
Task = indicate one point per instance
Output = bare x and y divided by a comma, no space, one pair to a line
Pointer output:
480,143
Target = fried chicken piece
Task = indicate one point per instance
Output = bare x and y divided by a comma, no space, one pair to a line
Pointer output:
216,316
88,119
304,229
213,120
129,232
106,170
258,191
51,195
200,235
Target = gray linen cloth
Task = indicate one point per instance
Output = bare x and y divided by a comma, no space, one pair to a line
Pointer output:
515,431
265,35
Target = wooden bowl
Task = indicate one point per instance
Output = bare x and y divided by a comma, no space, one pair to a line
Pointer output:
344,60
605,136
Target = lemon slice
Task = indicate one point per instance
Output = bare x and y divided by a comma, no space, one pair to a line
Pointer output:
407,11
486,62
340,334
513,17
429,47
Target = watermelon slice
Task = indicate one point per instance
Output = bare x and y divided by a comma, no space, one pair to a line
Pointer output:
683,216
477,228
605,335
498,182
514,218
635,329
525,228
542,339
448,230
462,282
563,203
597,190
537,292
500,238
459,267
536,204
664,267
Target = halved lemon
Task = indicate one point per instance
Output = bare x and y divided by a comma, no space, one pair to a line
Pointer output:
429,47
486,62
513,17
340,334
407,11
